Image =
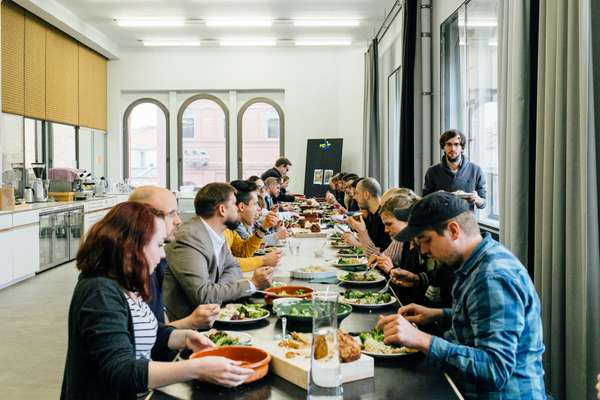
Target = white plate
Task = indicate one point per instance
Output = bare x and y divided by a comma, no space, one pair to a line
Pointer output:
243,321
343,300
380,278
242,337
379,355
330,273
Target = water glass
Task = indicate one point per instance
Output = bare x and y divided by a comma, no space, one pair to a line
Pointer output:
325,379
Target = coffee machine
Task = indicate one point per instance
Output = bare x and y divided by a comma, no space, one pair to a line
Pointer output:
40,187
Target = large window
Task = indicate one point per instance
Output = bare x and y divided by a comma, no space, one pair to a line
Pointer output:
469,85
203,141
64,152
260,133
146,144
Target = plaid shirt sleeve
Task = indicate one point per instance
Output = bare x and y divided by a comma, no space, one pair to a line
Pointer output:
494,319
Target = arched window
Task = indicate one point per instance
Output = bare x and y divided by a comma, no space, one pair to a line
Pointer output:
203,123
260,136
146,143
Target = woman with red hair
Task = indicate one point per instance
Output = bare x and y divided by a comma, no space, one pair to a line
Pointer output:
115,342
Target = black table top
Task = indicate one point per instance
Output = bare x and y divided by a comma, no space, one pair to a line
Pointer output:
401,378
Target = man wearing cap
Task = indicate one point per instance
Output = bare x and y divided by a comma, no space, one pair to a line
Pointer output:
494,346
455,173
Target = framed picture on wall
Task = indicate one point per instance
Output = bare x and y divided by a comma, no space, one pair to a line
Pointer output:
318,177
327,176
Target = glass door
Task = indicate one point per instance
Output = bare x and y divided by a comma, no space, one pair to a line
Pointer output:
75,230
60,247
46,233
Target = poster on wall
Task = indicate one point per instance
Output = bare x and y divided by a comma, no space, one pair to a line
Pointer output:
318,177
327,176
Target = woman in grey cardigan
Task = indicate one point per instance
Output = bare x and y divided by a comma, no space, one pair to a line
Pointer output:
115,343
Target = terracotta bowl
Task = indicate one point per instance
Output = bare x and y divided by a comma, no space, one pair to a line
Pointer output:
274,293
251,357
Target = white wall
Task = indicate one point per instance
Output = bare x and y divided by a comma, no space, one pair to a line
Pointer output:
322,90
442,9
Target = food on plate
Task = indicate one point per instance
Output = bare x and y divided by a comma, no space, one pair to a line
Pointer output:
222,338
372,342
321,348
350,261
240,312
360,297
349,348
297,292
365,276
314,268
299,345
352,251
315,228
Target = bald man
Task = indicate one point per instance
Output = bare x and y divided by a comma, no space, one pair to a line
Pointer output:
163,200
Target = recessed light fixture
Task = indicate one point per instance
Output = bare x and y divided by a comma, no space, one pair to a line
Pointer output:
238,22
171,43
149,22
323,42
248,42
324,22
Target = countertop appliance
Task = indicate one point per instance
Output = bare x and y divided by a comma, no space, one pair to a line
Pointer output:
60,234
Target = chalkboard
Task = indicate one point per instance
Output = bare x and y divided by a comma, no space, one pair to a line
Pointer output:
323,159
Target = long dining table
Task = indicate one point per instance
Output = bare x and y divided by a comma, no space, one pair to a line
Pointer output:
399,378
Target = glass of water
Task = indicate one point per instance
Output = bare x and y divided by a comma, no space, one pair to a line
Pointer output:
294,246
325,379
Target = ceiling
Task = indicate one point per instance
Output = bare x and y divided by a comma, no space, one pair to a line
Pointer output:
101,14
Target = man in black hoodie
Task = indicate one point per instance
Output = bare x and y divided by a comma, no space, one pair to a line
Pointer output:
455,173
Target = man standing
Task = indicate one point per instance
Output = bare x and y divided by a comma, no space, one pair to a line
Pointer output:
494,346
201,268
368,197
456,173
163,200
281,169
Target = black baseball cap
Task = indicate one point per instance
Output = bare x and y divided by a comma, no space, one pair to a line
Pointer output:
433,209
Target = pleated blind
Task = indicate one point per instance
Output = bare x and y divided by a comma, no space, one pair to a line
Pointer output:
35,67
61,78
92,89
13,59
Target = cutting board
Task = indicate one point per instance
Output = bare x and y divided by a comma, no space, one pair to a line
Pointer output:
295,370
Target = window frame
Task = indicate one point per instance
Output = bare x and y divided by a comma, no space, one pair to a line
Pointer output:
182,108
240,132
126,114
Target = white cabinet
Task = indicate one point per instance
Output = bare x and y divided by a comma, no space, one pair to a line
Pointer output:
91,218
6,253
26,256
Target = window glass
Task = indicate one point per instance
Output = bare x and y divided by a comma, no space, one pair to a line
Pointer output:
260,138
204,143
146,130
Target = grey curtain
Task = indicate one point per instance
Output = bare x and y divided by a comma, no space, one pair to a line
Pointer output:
513,124
566,259
372,139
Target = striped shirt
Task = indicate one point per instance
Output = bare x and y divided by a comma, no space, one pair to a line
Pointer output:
145,326
494,347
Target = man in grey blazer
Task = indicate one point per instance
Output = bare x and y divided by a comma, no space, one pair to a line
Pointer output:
201,269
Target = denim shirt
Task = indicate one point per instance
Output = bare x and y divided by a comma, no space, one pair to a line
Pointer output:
494,347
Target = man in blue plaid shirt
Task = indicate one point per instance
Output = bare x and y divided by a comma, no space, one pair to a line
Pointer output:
494,347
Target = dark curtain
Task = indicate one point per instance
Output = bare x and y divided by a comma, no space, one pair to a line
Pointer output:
372,129
407,109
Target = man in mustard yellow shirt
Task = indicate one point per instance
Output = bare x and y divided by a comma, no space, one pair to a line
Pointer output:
243,250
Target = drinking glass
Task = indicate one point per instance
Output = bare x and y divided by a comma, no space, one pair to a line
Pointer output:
325,379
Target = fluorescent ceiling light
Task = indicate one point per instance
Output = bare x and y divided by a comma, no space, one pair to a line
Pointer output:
217,22
247,42
145,22
168,43
323,42
326,22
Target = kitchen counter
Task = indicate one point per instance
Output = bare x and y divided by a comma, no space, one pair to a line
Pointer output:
44,206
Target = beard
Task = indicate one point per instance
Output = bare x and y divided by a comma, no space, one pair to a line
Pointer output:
232,224
454,159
